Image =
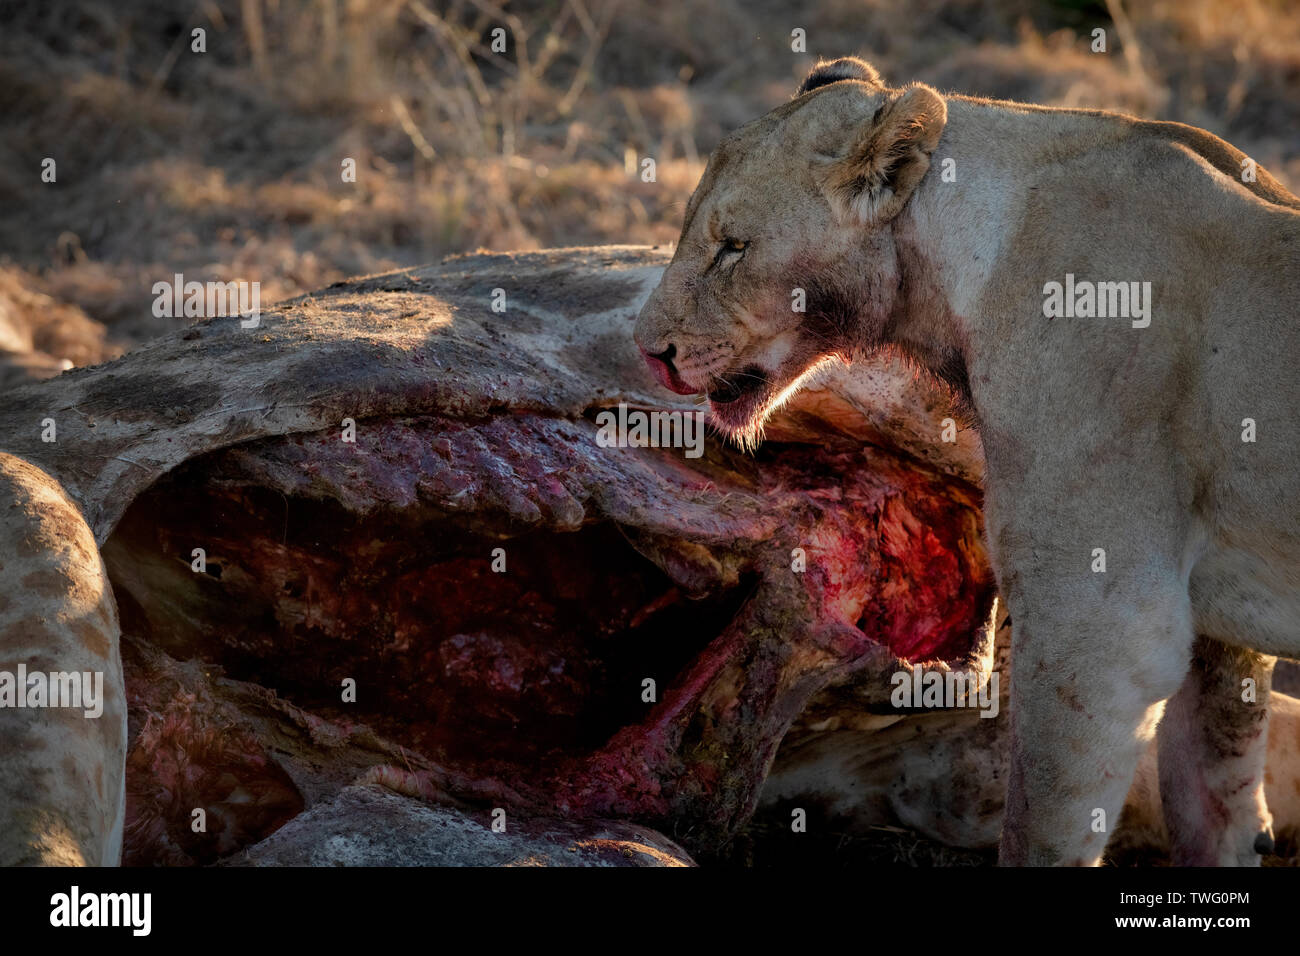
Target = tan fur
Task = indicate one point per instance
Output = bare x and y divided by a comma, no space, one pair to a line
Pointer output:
62,774
1097,433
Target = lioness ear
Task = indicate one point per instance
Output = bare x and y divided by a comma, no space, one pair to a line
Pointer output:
886,161
845,68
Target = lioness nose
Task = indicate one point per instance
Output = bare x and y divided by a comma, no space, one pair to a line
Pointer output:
666,356
661,366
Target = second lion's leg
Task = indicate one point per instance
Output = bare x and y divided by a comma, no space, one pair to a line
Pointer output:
1212,743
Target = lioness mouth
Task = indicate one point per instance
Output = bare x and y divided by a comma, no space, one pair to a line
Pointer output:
732,388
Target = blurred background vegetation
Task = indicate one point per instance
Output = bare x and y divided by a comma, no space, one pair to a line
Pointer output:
226,164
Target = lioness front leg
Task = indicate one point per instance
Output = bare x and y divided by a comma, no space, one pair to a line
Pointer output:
1212,743
1091,665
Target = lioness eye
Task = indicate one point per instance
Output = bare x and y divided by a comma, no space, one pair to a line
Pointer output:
727,249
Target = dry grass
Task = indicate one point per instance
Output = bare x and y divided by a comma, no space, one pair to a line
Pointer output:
226,164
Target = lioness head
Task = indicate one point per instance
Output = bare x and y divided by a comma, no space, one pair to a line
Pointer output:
787,257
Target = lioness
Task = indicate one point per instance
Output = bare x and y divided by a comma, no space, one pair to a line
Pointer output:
1141,486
